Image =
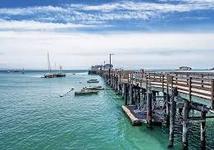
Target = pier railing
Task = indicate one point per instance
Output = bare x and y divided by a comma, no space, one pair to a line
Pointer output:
196,84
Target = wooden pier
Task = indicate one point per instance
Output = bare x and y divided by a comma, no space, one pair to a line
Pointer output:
164,98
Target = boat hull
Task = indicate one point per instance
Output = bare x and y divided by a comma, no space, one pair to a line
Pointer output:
82,93
92,81
54,75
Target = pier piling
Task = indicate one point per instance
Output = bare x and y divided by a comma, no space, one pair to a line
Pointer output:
203,130
131,94
126,93
172,117
149,110
186,110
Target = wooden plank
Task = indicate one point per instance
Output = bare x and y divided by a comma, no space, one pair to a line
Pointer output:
135,121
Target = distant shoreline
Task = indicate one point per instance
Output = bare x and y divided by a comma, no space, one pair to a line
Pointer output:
35,70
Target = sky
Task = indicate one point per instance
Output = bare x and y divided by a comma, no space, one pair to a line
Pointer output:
154,34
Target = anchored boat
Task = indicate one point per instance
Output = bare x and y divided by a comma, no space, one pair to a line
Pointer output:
85,92
94,88
93,81
51,74
54,75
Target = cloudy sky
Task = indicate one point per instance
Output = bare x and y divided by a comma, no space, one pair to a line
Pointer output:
80,33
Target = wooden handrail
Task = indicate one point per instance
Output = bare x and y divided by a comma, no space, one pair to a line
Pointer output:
201,85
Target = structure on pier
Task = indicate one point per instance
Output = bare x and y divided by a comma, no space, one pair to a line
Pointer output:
164,98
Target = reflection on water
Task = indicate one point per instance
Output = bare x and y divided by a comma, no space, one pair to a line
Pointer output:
34,116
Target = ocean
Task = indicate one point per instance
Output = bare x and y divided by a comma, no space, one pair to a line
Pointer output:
33,116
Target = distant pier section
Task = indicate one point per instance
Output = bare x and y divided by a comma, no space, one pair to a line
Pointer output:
164,98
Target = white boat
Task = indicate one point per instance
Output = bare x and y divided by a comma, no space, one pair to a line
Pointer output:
94,88
93,81
51,74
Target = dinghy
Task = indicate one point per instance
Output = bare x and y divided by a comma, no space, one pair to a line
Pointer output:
93,81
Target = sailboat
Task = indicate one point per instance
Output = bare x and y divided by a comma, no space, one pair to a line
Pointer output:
51,74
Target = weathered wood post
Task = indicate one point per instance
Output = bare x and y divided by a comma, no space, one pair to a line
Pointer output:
134,95
202,81
153,98
131,93
172,117
144,95
190,88
123,89
126,93
203,130
110,80
162,85
154,95
148,103
149,109
113,81
120,85
186,110
117,84
139,92
212,93
169,81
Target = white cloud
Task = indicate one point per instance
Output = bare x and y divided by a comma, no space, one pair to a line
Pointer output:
149,6
32,10
28,49
93,14
33,25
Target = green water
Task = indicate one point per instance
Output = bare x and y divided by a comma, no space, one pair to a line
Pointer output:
33,116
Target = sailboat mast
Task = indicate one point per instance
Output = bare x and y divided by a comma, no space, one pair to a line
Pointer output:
49,64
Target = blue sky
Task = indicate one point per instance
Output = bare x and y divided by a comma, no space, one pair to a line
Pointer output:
149,33
151,16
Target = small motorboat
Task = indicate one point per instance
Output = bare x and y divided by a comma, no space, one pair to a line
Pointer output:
94,88
85,92
93,81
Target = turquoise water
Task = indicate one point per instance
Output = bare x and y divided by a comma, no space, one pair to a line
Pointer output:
33,116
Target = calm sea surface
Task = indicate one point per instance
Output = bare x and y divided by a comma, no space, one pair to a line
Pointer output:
33,116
